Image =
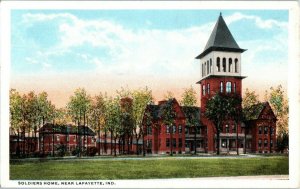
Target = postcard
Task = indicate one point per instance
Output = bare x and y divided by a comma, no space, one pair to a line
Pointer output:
149,94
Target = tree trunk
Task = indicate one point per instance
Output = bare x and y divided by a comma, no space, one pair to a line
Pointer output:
171,136
218,142
195,141
237,139
105,142
115,147
137,144
245,134
143,140
18,144
99,137
43,136
53,139
111,139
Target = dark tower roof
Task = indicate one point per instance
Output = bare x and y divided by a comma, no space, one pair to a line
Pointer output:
220,39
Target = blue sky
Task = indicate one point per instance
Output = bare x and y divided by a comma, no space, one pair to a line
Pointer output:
103,50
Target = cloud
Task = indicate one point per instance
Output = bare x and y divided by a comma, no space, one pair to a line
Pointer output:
119,55
259,22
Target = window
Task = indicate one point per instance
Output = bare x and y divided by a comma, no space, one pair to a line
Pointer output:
174,129
233,128
202,70
167,129
174,142
221,86
149,130
149,143
57,138
180,142
74,139
234,87
210,66
207,66
208,88
259,143
167,142
187,145
186,130
224,143
272,130
265,130
224,65
265,143
228,87
226,128
205,69
230,65
260,130
67,138
236,65
271,143
203,89
198,130
179,129
218,64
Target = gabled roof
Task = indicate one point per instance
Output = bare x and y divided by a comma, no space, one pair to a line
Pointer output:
254,112
66,129
156,110
220,39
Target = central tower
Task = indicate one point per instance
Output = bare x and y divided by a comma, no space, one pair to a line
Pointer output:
220,71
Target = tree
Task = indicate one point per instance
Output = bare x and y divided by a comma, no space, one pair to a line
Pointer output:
217,111
168,115
15,101
279,104
97,115
191,112
235,113
113,123
141,98
78,108
169,95
250,98
189,97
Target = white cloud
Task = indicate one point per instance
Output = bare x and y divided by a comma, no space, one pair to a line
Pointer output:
263,24
146,55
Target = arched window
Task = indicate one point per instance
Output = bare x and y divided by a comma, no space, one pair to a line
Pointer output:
208,88
218,64
207,67
221,86
202,71
236,65
224,65
234,87
210,66
230,65
228,87
203,90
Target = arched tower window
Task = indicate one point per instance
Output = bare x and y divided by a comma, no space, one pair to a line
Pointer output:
221,86
236,65
203,90
230,65
228,87
207,64
224,65
218,64
208,88
234,87
210,66
205,68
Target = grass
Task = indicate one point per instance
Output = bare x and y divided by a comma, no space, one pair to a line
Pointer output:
147,169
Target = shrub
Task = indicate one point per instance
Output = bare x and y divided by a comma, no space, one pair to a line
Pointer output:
91,151
61,150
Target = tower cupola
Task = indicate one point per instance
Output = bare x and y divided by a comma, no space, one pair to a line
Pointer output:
221,55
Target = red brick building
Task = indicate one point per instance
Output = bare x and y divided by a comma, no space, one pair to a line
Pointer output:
221,73
69,135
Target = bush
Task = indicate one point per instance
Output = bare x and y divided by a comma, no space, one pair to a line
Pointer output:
76,151
61,150
91,151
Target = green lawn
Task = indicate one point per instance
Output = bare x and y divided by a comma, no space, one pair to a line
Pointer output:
146,169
